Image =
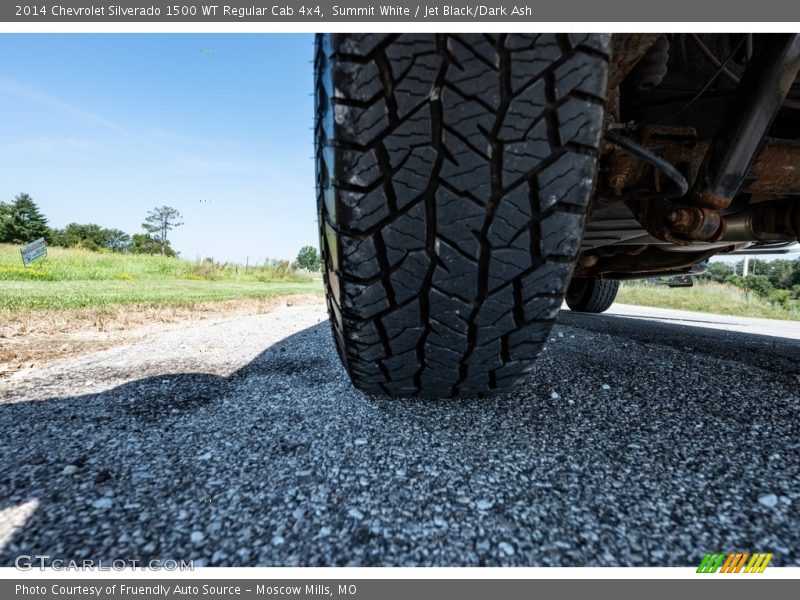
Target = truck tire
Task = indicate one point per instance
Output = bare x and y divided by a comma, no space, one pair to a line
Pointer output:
591,294
454,174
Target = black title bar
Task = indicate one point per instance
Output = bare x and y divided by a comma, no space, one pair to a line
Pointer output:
412,11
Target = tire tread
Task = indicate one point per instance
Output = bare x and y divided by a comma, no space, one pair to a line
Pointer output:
454,174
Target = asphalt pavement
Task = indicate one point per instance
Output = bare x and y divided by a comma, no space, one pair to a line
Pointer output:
644,437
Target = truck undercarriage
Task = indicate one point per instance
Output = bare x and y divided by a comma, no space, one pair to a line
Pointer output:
701,154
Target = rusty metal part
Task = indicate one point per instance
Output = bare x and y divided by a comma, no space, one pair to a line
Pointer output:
769,222
627,51
652,68
694,223
625,171
759,96
654,259
678,186
589,259
698,218
678,223
612,107
725,164
776,170
622,170
710,200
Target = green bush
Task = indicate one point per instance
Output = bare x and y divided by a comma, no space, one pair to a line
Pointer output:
759,284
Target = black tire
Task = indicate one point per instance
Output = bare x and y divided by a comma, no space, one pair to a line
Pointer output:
591,295
454,173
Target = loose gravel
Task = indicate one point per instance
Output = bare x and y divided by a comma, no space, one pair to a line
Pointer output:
243,443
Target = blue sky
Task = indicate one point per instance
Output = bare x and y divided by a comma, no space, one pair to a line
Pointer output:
102,128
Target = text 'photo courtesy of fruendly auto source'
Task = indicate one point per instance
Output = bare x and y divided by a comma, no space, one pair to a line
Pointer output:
399,299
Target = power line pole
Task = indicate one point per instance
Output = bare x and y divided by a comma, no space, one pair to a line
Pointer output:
746,266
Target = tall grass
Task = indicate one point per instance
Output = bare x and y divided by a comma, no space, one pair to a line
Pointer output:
704,297
75,264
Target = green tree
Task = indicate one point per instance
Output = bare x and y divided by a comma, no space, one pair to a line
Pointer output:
736,280
89,236
779,272
92,237
308,258
759,284
23,222
796,272
159,222
719,271
116,240
4,216
143,243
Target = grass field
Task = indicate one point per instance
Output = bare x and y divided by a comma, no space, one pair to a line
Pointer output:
77,301
704,297
74,279
30,295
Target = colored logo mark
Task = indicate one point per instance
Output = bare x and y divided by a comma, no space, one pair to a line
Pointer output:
735,562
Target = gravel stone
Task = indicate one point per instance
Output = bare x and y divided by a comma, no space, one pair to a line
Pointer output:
197,537
768,500
506,548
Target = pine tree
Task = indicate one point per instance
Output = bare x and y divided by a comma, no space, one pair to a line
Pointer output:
23,222
159,222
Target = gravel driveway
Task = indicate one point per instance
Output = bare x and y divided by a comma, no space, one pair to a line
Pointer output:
636,442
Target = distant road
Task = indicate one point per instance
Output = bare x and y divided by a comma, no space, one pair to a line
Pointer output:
644,437
771,327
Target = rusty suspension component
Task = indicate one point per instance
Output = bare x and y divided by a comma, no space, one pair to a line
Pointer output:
666,220
759,96
776,170
727,158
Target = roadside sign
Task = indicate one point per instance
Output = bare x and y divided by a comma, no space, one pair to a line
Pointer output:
30,252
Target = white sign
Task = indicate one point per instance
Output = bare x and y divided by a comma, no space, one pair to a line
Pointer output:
30,252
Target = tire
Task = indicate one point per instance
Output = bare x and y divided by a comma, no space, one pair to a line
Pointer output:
454,174
591,295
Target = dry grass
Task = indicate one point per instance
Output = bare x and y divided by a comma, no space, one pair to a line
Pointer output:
709,297
31,338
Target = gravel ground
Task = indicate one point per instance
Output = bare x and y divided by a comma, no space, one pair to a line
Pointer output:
636,442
